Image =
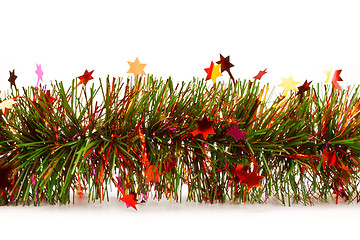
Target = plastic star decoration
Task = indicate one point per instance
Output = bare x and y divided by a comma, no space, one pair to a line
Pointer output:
303,88
328,73
85,78
336,77
129,200
152,174
12,78
260,74
252,179
288,84
204,127
4,178
39,73
6,104
226,65
236,133
213,72
330,157
136,68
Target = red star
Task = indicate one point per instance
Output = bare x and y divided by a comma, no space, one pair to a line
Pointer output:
260,74
129,200
330,157
252,179
209,71
152,174
85,78
204,127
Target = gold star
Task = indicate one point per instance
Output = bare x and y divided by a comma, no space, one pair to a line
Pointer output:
216,73
288,84
328,73
137,68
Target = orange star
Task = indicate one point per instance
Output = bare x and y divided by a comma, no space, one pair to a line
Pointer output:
129,200
136,68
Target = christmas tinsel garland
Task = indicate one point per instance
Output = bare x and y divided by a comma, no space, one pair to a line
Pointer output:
232,142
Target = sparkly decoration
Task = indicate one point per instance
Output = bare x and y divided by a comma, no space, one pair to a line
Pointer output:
204,127
226,65
130,200
6,104
12,79
303,88
85,78
260,74
288,84
213,72
236,133
39,73
252,179
328,73
4,178
136,68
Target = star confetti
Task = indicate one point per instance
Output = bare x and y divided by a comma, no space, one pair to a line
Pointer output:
6,104
152,174
303,88
129,200
236,133
85,78
328,73
252,179
39,73
4,178
204,127
336,79
226,65
330,158
12,79
213,72
136,68
288,84
260,74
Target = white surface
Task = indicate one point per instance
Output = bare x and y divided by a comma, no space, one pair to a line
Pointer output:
180,39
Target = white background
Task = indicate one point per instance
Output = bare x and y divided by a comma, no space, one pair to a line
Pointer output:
179,38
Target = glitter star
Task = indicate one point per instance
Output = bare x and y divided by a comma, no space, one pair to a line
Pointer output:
136,68
39,73
288,84
260,74
12,79
85,78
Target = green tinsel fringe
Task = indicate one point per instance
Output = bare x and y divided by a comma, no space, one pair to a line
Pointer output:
60,143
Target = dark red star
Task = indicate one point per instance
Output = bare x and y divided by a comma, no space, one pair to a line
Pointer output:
303,88
252,179
85,78
204,127
260,74
4,177
225,63
12,79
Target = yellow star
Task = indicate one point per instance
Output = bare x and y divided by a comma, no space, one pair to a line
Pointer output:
215,73
328,73
288,84
136,67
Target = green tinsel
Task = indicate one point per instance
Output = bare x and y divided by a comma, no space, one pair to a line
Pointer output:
57,143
